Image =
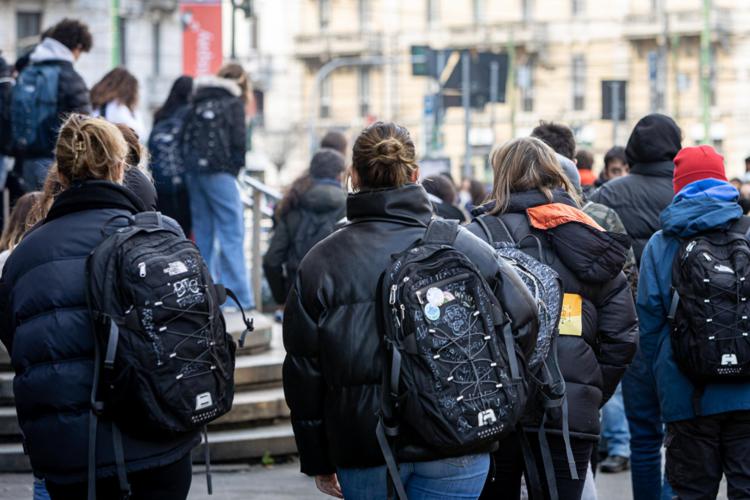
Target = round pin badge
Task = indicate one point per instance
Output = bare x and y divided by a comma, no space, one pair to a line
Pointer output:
435,296
432,312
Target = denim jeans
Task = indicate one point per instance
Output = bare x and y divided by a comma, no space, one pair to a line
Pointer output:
646,431
40,491
35,172
219,229
460,477
615,426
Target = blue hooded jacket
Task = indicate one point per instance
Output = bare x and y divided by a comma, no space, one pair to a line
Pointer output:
700,206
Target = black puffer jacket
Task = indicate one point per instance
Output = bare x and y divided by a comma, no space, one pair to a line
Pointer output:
45,325
324,204
594,355
640,197
333,367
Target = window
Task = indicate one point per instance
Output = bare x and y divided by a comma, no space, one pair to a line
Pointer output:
324,14
656,80
478,11
433,12
28,27
527,10
577,7
525,78
156,47
364,91
365,19
579,82
325,98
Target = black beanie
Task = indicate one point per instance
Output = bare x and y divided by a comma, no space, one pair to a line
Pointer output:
327,164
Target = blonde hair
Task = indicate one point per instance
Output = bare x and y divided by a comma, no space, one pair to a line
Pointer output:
384,156
89,149
52,187
18,222
235,71
524,164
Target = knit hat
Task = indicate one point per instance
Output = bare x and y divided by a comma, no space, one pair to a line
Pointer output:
696,163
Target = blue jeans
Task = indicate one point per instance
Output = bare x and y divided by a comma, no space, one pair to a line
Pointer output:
40,491
219,228
460,477
35,172
646,431
615,426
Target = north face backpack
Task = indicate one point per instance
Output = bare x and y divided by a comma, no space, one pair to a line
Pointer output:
547,386
710,311
205,140
164,360
34,120
448,374
165,157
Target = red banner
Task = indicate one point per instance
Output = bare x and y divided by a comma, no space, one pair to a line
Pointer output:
201,37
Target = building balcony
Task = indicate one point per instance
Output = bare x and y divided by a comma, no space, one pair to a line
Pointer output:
532,37
328,45
683,23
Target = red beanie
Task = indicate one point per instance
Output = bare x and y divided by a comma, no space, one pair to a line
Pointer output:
695,164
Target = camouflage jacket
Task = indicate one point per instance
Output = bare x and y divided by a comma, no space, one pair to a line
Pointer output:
610,221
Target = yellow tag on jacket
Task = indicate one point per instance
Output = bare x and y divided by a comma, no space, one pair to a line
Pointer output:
571,321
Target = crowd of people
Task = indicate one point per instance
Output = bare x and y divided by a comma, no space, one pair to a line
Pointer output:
442,340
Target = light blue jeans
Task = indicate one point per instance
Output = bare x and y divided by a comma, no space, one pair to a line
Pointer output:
460,477
40,491
615,429
219,229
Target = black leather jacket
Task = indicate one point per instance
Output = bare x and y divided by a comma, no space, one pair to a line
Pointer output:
333,367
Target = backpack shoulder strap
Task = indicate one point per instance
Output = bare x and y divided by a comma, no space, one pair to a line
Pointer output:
741,225
441,232
495,229
149,219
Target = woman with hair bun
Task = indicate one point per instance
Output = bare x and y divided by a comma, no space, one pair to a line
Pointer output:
45,324
334,366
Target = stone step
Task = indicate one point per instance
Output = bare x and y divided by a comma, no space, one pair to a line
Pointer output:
257,341
248,444
12,458
8,421
251,406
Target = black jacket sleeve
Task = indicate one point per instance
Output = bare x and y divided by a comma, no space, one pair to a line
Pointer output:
72,93
617,332
304,387
237,135
274,259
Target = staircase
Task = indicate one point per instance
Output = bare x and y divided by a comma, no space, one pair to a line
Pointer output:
257,425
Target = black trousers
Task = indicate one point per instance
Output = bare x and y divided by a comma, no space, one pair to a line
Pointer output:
504,479
175,203
171,482
702,449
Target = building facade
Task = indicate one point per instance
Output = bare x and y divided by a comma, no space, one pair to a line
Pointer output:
559,52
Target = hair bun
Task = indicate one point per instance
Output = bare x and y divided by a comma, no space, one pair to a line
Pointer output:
389,151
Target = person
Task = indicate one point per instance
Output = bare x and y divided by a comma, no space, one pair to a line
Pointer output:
17,227
472,194
213,149
615,165
557,136
707,436
442,195
61,47
136,179
536,202
335,140
746,175
115,98
638,199
584,160
165,161
333,367
306,214
47,329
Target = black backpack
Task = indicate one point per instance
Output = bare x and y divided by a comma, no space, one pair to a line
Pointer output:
312,228
205,141
164,360
165,157
6,137
448,375
547,392
710,311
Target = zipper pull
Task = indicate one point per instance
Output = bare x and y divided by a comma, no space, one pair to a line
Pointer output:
142,269
392,299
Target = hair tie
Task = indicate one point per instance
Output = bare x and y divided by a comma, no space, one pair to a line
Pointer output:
79,147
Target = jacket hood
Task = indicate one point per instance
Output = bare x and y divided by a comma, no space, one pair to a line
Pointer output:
94,195
213,82
701,206
655,138
324,196
51,50
406,204
571,171
520,201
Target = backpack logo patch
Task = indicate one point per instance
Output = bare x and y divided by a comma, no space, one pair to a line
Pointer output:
175,268
203,400
729,360
486,417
